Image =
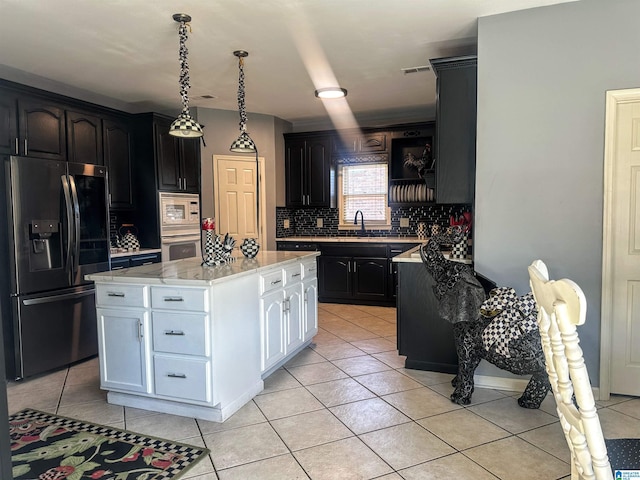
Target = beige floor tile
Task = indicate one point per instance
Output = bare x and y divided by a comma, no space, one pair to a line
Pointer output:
368,415
97,412
347,459
351,333
390,381
325,338
336,351
384,329
75,394
630,407
391,358
338,392
83,376
420,403
506,413
306,357
324,316
243,445
316,373
551,439
375,345
286,403
463,429
283,467
391,476
310,429
90,363
162,425
249,414
618,425
204,466
280,380
393,339
426,377
454,466
360,365
42,382
206,476
350,313
405,445
46,399
548,405
613,399
480,395
130,413
369,322
514,459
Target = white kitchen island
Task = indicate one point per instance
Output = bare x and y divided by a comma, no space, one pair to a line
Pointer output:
192,340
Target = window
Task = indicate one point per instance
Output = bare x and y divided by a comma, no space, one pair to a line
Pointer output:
364,187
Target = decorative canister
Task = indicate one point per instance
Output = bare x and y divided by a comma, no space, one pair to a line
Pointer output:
460,249
421,231
435,229
208,250
249,247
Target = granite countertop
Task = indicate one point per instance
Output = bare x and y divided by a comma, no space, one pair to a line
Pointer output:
354,239
121,252
413,256
191,272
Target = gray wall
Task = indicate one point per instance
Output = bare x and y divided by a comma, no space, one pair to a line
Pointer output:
221,129
542,78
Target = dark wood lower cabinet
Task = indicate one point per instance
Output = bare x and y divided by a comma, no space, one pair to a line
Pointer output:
423,336
370,278
334,278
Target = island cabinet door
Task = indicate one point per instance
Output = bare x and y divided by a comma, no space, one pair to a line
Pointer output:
310,308
123,350
293,317
272,328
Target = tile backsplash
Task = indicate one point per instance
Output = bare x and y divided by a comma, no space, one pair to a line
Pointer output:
303,221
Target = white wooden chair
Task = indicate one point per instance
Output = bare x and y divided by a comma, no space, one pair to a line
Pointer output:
561,308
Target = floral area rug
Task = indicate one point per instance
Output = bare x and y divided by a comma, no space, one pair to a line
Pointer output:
49,447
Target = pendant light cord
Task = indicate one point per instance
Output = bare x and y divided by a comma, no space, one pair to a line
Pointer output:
184,81
241,107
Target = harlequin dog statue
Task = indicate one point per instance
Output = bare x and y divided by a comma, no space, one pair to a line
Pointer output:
500,329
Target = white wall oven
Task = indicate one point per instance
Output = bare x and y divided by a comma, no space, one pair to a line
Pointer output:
180,235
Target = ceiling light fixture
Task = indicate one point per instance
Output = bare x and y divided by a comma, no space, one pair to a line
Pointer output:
331,92
243,144
184,125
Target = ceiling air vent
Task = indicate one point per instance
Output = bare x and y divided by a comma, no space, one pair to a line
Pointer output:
423,68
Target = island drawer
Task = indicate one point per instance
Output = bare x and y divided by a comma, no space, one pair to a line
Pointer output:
309,269
121,295
179,299
180,333
271,281
186,379
292,274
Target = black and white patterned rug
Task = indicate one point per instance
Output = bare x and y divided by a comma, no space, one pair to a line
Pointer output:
50,447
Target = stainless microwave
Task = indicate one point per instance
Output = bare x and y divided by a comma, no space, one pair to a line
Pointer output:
179,211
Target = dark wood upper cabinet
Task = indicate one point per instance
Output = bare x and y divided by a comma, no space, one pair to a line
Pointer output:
8,124
118,145
455,146
41,129
308,171
178,160
84,138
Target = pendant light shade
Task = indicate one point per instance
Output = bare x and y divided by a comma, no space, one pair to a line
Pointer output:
243,144
184,125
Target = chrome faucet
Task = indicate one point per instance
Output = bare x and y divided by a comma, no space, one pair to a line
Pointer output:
355,220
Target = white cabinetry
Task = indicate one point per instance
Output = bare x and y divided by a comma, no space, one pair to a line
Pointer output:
123,336
288,312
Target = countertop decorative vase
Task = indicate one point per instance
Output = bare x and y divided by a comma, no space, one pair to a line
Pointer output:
129,240
249,247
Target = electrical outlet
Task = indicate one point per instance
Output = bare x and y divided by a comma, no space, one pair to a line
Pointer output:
319,223
404,222
285,223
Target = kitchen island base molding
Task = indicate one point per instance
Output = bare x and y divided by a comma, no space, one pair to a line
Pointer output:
212,414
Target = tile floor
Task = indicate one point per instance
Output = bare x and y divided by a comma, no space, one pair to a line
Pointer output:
346,408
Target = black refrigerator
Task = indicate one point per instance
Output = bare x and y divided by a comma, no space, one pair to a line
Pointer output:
54,222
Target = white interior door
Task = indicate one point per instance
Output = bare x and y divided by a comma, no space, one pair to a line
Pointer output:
621,249
235,197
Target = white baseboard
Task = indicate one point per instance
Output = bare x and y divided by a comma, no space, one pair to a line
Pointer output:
501,383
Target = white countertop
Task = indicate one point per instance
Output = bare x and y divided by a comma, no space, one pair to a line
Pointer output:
190,271
354,239
413,256
129,253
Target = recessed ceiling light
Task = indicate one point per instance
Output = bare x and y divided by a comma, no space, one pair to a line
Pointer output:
331,92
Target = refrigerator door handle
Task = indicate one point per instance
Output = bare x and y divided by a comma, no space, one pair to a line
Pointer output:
76,222
56,298
69,215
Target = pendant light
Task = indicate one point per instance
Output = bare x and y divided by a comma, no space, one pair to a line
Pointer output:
184,125
243,144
